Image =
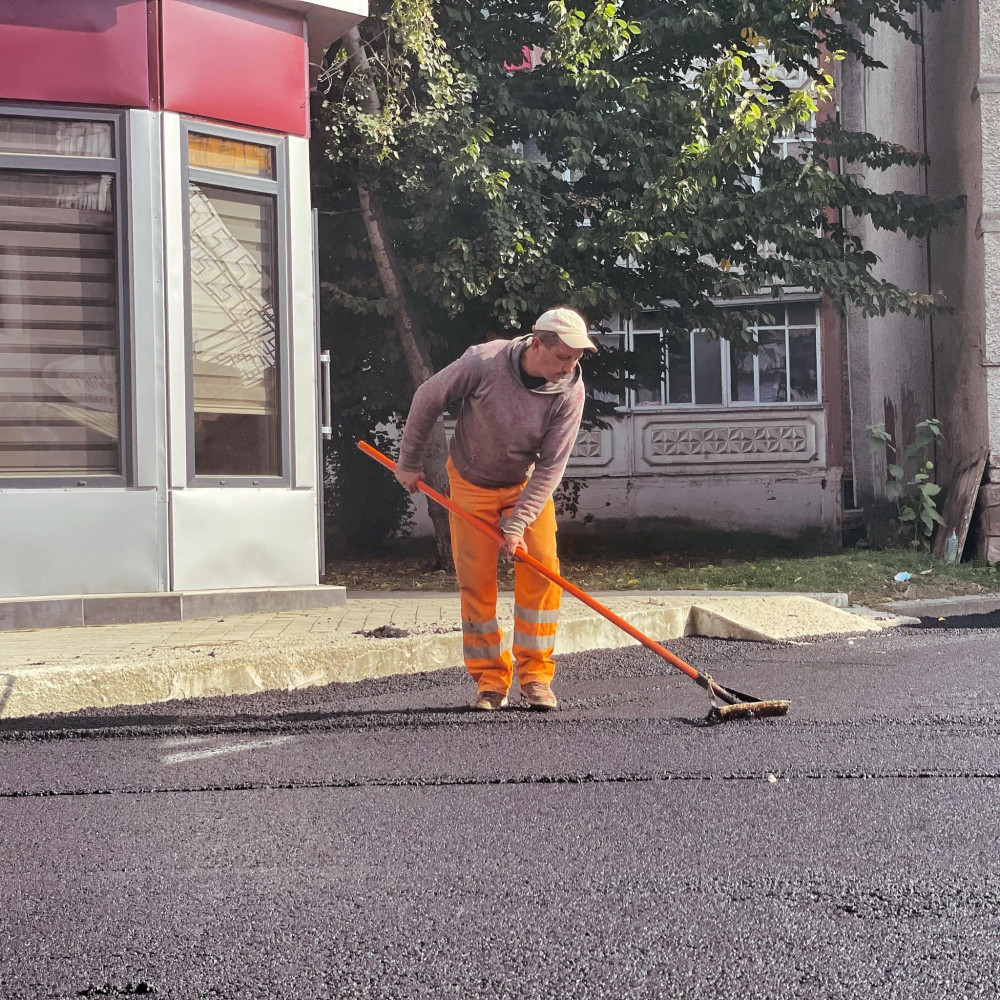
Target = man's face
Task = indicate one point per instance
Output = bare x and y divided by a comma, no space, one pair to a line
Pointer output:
556,362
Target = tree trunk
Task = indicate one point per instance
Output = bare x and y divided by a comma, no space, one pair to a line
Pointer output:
879,524
404,318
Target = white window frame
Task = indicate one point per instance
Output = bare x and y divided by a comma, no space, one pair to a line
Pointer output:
804,135
627,328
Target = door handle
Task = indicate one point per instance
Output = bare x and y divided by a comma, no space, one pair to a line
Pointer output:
326,428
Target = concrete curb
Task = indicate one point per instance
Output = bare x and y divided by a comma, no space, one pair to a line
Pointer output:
946,607
164,674
836,599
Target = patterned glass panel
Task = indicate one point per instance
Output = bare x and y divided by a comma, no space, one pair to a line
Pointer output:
234,333
55,137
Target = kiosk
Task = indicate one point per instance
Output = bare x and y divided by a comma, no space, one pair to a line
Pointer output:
159,369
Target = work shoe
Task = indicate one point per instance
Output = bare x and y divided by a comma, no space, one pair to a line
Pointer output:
539,695
490,701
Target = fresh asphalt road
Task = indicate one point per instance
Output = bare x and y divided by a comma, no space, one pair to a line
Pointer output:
375,841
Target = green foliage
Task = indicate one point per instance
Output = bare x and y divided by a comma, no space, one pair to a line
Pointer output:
909,482
676,559
634,164
364,505
632,167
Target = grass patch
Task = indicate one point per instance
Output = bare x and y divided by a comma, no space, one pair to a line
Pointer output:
654,561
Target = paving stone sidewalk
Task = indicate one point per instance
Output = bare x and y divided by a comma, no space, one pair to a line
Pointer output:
19,649
364,612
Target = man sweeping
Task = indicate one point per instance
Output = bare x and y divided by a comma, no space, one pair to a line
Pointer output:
521,405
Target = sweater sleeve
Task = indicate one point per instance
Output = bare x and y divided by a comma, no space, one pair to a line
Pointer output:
553,457
431,400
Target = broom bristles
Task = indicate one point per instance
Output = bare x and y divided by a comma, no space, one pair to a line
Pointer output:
749,710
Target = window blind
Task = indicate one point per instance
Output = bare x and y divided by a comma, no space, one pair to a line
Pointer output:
59,379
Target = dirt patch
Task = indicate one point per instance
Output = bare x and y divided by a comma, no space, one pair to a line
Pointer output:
384,632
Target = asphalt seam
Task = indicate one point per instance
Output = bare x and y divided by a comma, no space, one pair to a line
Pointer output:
460,718
701,722
360,722
566,779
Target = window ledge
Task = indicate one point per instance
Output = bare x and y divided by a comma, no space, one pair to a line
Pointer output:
744,408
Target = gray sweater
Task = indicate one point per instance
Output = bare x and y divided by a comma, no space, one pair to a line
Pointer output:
505,431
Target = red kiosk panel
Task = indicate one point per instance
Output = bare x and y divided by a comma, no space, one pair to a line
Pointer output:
75,51
237,62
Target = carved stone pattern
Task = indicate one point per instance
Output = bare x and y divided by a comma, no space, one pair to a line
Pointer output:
664,441
589,444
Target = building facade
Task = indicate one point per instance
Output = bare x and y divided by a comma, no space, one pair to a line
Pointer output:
722,439
793,466
725,439
943,99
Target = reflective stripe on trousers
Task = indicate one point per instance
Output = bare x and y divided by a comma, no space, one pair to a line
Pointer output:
481,640
535,629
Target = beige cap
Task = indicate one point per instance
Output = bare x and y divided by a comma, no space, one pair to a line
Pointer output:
568,324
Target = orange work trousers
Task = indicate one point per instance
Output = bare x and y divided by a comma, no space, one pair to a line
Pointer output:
536,599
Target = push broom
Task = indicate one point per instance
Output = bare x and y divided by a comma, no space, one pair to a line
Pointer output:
727,704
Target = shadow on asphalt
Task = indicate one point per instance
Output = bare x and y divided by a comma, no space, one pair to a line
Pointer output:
197,723
432,699
66,727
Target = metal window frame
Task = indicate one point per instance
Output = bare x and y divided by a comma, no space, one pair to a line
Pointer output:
116,165
278,187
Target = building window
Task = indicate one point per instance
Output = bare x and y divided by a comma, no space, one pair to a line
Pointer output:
797,144
785,368
235,257
708,371
60,297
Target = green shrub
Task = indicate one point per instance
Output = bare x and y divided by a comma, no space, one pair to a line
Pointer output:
909,481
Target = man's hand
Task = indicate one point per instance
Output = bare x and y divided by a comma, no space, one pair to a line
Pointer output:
510,544
409,480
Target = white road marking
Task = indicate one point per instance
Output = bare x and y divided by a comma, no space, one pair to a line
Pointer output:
183,741
186,756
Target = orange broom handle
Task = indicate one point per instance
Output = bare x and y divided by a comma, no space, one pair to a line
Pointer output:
530,560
